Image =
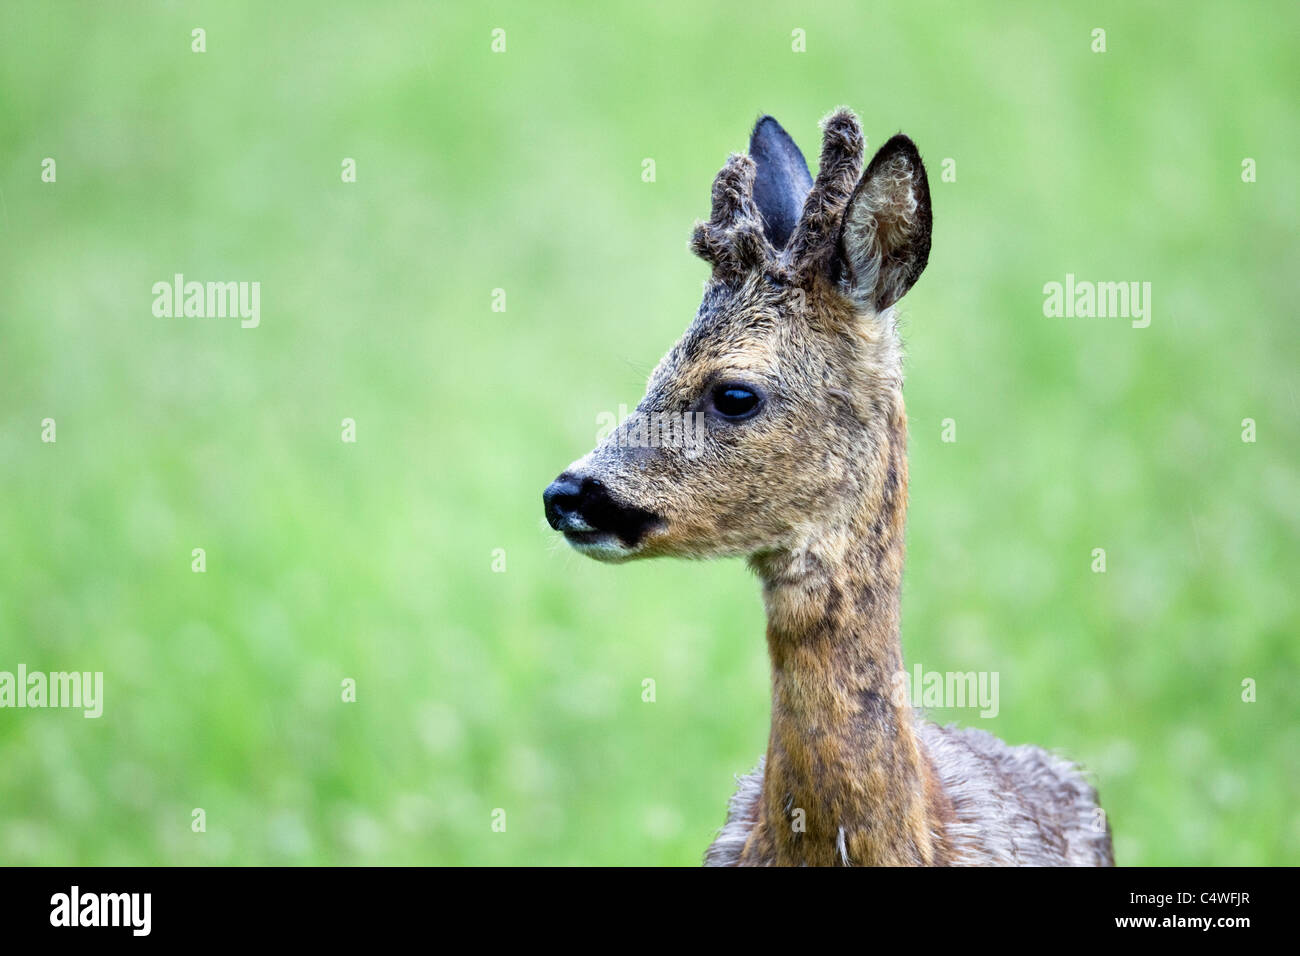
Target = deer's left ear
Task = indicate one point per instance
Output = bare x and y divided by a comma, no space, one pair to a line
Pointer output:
781,182
885,236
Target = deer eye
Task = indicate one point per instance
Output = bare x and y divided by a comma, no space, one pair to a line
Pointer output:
736,402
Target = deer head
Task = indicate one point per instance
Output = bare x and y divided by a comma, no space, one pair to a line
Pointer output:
787,383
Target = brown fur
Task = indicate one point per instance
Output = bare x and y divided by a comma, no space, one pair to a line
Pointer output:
842,748
813,491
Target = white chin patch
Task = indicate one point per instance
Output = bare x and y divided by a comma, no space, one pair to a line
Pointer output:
599,545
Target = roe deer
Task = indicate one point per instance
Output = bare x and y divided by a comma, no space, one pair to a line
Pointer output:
794,364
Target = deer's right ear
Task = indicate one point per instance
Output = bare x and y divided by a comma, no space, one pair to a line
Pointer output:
781,182
885,236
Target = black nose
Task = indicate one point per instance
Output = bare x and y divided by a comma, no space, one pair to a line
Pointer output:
562,499
583,505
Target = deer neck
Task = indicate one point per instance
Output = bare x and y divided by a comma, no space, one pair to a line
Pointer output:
842,748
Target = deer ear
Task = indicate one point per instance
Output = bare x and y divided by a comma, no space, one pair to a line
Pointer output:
781,182
885,236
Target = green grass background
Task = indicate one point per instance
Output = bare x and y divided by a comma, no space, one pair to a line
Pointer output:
522,171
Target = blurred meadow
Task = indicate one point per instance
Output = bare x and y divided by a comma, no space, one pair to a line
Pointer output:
521,171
